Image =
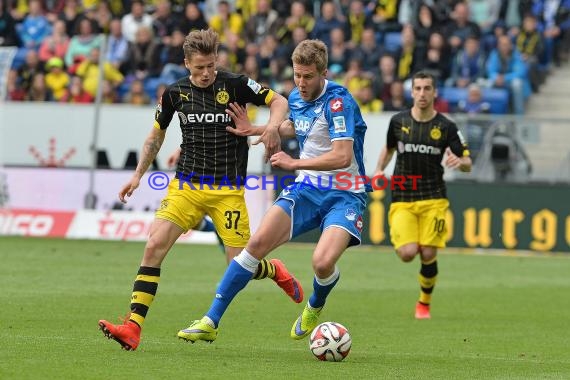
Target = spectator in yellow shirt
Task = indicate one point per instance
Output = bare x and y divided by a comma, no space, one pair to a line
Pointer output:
88,70
366,100
226,20
356,78
56,78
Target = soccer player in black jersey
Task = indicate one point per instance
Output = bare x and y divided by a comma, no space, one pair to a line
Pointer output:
206,224
422,138
212,160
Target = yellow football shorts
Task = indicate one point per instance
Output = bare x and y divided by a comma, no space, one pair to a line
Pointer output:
421,222
186,207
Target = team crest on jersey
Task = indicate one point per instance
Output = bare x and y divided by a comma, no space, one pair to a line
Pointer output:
222,97
163,205
255,87
318,107
435,133
339,124
350,214
336,105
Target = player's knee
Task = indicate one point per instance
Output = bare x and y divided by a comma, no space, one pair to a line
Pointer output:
153,244
258,243
154,252
428,253
406,256
323,268
407,252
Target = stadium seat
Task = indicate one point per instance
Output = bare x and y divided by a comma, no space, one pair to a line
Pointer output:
19,58
150,86
497,97
392,41
123,89
102,160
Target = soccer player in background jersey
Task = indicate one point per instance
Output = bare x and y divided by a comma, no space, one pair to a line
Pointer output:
328,124
210,154
422,138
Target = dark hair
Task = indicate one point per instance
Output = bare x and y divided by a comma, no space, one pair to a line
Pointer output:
424,75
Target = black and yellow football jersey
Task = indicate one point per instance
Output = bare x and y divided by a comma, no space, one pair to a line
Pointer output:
420,147
208,150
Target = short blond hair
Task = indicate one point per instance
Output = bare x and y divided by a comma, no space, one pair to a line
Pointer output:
203,42
308,52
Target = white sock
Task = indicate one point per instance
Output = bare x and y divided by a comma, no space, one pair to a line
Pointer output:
247,261
330,279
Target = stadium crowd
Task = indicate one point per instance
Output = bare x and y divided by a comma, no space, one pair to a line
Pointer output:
374,46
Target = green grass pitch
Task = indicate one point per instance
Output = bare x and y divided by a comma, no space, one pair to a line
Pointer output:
493,317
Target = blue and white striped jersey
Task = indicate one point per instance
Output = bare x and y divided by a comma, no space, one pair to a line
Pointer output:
332,116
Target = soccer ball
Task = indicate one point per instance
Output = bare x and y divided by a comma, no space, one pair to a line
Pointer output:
330,341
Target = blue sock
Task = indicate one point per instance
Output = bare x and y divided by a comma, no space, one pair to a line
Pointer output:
322,288
234,280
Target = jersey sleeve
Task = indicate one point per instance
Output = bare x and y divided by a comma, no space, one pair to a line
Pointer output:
290,101
164,110
340,111
249,91
457,142
391,140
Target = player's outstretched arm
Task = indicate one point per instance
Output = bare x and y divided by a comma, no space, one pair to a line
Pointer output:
243,127
338,158
287,129
150,149
269,134
278,109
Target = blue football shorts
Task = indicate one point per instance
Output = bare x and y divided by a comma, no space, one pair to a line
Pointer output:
310,207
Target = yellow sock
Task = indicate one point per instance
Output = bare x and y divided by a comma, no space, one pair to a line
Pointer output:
144,291
264,269
427,279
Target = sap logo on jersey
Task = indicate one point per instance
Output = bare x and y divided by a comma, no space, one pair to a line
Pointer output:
204,118
418,148
336,105
302,126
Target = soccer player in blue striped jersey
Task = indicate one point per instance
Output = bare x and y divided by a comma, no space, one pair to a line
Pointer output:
328,124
